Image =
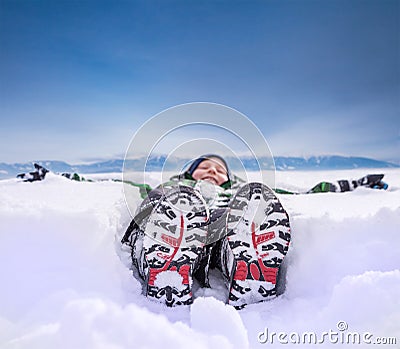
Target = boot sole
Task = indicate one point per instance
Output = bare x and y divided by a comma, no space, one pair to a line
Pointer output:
173,244
258,240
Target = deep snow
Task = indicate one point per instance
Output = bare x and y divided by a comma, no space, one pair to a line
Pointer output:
66,283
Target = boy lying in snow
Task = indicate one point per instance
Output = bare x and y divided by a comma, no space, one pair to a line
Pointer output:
205,218
208,218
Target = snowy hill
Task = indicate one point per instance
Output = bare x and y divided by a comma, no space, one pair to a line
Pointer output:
157,163
66,281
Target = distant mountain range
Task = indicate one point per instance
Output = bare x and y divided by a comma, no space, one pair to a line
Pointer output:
158,163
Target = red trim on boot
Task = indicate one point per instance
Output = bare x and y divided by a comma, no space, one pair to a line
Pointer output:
259,239
153,275
268,273
254,271
241,271
170,240
184,272
153,272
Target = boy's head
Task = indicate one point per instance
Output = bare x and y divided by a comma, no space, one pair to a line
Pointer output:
211,168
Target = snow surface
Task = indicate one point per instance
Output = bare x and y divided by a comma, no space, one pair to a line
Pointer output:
66,283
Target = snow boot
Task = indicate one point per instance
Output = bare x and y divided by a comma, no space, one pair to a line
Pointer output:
173,245
258,237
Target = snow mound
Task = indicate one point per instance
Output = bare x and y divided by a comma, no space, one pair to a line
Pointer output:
213,317
66,283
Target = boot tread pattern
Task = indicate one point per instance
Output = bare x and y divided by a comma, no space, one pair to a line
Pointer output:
258,240
173,244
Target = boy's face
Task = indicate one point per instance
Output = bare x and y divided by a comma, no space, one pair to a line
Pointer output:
211,170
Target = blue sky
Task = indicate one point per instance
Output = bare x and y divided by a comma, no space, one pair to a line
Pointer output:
78,78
